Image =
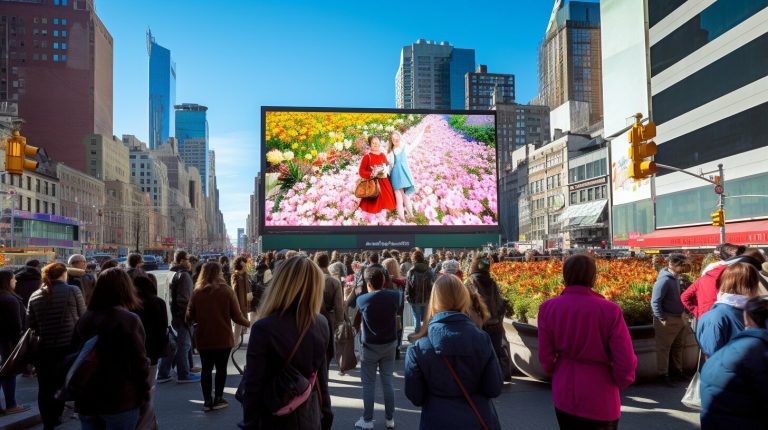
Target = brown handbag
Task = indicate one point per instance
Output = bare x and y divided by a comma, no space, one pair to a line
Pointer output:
24,353
367,188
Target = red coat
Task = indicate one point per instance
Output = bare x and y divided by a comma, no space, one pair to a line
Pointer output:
584,344
702,294
386,198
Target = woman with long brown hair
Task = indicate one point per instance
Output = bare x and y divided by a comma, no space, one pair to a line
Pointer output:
213,307
11,325
288,320
53,312
452,355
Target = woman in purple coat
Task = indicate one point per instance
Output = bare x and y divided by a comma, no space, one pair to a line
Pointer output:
584,344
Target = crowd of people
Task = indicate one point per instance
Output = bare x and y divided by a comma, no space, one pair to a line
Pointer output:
292,306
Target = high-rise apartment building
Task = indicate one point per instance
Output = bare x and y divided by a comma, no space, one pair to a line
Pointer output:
106,158
431,75
192,135
57,66
699,70
162,92
483,89
569,58
148,173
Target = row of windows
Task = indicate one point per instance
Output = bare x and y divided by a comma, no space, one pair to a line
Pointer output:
60,2
44,20
742,67
44,57
588,195
48,230
40,186
705,27
589,170
659,9
37,208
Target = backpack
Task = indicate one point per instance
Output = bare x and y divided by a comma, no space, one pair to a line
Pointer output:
418,286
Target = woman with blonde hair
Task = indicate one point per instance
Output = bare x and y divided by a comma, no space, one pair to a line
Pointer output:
289,334
53,312
214,307
451,370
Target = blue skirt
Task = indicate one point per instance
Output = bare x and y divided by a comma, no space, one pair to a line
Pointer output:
400,177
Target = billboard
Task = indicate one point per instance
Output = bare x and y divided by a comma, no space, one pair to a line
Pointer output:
433,171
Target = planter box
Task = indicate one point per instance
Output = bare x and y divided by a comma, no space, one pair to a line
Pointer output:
524,344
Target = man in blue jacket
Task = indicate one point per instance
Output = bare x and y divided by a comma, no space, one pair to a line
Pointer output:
668,318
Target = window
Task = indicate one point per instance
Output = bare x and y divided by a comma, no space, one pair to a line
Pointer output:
37,205
583,195
46,188
44,20
53,208
55,57
37,185
574,198
53,190
55,20
29,204
63,45
55,46
64,20
64,32
29,183
44,44
55,33
45,207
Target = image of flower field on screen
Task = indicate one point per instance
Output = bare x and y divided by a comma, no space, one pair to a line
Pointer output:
433,169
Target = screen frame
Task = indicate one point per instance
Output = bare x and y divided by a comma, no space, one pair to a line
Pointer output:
368,229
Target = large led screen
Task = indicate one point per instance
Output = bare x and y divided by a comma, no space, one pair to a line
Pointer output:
423,170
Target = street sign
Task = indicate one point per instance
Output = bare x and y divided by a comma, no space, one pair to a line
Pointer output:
718,189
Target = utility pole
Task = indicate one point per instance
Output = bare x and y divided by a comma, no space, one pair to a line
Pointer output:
721,200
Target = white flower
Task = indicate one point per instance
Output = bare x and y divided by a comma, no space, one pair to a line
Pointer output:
332,135
288,155
308,156
275,157
339,145
347,143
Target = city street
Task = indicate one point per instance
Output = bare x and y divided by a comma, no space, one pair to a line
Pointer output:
524,404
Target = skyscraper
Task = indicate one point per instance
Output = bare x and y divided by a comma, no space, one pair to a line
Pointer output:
483,89
57,66
162,92
192,134
569,58
431,75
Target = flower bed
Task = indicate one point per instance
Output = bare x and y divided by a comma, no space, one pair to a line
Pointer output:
627,282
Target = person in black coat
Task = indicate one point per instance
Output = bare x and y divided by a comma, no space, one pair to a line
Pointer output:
12,313
154,317
28,280
289,318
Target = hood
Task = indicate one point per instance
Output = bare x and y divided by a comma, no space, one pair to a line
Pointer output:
178,268
714,270
28,273
754,332
421,267
445,331
745,259
666,273
73,271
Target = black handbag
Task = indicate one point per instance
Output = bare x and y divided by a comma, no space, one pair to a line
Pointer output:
289,389
24,353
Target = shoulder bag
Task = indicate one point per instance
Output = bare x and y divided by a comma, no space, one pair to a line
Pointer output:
24,353
289,389
466,394
367,188
345,345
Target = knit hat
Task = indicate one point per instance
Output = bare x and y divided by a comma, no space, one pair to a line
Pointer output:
451,266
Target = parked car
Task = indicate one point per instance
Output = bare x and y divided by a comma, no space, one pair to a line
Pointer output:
150,263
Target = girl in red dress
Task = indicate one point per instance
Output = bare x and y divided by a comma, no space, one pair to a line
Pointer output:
374,164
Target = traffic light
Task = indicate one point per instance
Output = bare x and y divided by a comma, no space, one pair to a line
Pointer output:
641,147
16,153
718,218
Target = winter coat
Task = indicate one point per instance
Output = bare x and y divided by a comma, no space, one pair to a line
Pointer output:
28,280
415,293
241,286
154,318
665,299
180,290
489,291
83,280
333,302
120,382
430,385
271,341
718,326
54,316
12,314
702,294
584,344
214,308
734,384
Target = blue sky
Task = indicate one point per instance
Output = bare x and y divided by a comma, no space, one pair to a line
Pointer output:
235,56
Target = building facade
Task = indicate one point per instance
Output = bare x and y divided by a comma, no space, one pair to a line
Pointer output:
192,136
484,89
432,75
699,71
107,158
162,92
57,66
82,197
569,58
520,125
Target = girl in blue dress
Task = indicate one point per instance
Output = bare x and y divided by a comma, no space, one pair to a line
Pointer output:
400,174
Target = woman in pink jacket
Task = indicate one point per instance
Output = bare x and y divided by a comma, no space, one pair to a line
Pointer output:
585,345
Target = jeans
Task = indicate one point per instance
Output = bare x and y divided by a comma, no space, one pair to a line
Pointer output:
9,382
571,422
123,421
177,355
381,357
419,310
210,358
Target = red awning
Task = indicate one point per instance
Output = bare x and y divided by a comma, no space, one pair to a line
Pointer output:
742,233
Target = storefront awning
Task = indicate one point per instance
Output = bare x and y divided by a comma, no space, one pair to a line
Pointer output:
583,215
742,233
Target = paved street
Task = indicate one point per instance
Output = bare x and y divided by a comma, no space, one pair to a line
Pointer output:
524,404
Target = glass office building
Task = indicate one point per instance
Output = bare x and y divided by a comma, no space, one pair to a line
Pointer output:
192,134
162,93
